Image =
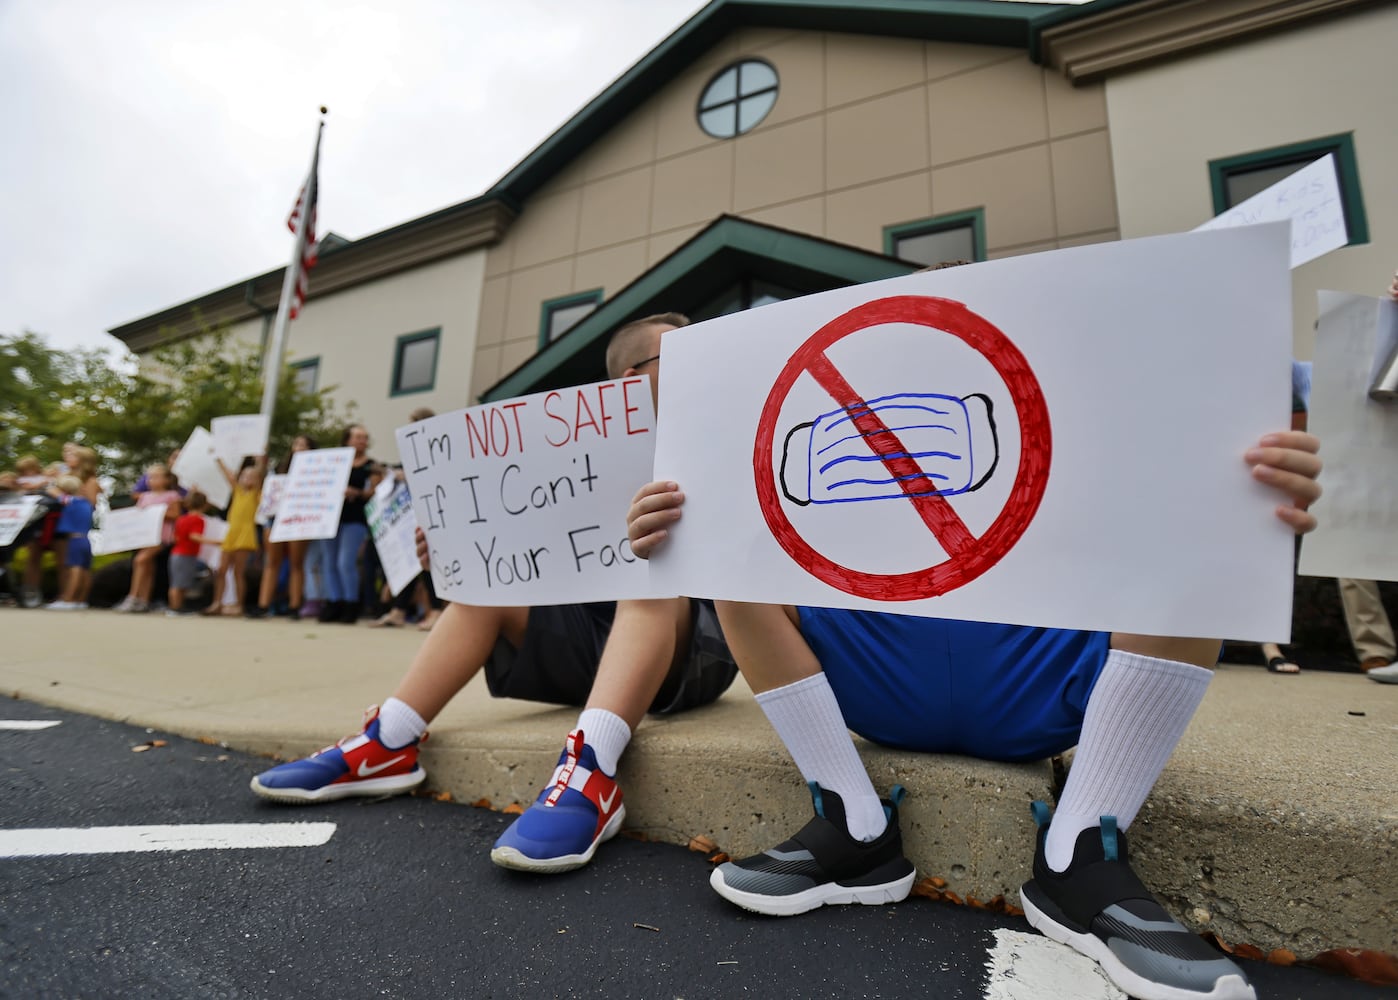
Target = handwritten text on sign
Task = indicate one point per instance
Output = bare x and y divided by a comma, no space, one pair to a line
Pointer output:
1310,198
524,501
313,495
391,526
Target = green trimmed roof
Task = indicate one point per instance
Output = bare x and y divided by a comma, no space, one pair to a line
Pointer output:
714,259
980,22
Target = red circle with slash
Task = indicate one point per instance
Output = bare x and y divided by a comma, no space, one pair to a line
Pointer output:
968,556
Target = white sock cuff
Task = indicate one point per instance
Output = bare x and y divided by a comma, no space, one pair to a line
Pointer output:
399,724
794,690
607,733
1155,667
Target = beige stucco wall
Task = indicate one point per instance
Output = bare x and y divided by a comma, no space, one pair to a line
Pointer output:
1169,121
355,333
866,132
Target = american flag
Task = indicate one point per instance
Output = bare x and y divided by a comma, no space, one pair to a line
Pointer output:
306,257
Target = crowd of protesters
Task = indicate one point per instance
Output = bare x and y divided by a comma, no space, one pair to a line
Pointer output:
330,580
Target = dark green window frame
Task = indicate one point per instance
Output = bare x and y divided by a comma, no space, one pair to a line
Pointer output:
435,334
938,224
1301,153
550,306
313,363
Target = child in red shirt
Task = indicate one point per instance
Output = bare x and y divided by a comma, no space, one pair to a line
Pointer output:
184,555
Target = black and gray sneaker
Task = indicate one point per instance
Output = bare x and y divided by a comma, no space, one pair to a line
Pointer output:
1100,908
821,865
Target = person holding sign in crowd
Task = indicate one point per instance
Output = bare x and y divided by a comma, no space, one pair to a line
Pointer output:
160,489
241,541
74,522
274,553
341,554
1123,700
618,661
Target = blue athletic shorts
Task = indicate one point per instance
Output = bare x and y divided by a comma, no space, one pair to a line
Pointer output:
78,554
998,692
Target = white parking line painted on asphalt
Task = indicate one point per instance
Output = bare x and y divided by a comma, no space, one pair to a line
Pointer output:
29,724
40,843
1031,967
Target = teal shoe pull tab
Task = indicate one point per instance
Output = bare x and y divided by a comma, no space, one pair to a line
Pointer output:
1041,813
897,794
1109,849
815,797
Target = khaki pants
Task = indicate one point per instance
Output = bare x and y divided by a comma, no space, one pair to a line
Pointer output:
1368,624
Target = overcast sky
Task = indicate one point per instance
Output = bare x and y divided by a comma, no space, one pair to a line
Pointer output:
153,148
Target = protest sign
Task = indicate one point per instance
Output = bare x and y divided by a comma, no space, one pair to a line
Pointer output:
313,495
1309,198
197,469
14,515
237,437
127,529
215,531
1357,533
391,525
272,487
932,445
524,501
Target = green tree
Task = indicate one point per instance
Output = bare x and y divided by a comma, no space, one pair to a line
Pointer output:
135,414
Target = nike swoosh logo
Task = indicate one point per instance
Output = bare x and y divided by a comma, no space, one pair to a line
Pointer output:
365,771
605,801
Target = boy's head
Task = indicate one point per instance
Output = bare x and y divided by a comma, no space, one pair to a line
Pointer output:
69,484
28,465
196,502
9,481
636,346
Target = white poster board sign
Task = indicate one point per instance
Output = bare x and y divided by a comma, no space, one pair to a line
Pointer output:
272,487
197,469
1309,198
237,437
127,529
313,495
1007,442
1357,535
14,515
211,552
391,525
524,501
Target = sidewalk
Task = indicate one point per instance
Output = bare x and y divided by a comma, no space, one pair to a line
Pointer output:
1275,823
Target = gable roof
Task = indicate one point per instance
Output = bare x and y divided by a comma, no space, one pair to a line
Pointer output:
980,22
726,251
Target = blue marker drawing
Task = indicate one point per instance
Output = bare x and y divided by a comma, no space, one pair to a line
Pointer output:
951,442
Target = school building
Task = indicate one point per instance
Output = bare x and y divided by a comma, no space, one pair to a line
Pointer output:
768,150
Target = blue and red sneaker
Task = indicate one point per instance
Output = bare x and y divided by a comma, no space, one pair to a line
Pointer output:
572,815
357,765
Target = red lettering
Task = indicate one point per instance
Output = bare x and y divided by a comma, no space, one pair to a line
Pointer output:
567,430
629,409
578,424
514,412
474,436
602,404
499,446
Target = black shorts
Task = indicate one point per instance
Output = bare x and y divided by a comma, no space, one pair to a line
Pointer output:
563,646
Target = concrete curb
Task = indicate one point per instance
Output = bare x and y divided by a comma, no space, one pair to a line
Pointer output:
1275,823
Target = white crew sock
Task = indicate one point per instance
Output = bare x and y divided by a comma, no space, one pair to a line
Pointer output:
399,724
807,718
1137,712
607,733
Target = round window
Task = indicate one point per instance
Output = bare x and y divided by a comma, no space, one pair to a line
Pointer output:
738,98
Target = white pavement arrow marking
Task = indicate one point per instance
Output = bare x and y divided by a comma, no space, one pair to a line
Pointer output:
187,837
1031,967
29,724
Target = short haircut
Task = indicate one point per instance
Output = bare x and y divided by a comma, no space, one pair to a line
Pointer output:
625,343
941,264
195,501
69,484
421,413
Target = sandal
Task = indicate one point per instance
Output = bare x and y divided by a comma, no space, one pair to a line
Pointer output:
1281,665
392,619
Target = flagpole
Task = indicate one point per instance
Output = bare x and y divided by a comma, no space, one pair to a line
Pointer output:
276,350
